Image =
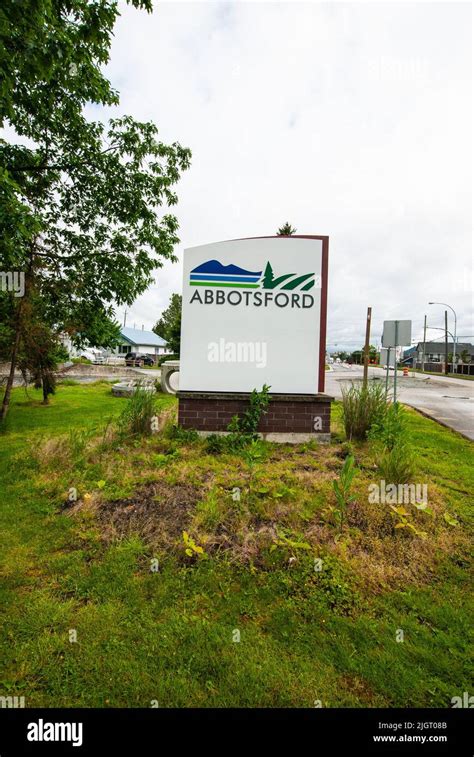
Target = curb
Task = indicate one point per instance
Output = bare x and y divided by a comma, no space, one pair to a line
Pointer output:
439,422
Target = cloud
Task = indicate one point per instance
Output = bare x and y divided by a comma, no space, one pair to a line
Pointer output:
351,120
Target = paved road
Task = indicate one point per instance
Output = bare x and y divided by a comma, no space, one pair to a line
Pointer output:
448,400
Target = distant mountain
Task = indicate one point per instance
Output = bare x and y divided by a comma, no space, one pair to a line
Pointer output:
213,266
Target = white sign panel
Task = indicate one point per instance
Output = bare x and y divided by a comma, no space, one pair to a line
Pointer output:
254,313
402,329
384,357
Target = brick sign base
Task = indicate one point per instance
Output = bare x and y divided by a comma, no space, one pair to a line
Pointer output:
290,418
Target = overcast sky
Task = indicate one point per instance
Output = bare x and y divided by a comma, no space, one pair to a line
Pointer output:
346,119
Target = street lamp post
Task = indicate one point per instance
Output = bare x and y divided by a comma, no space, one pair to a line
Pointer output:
455,327
438,328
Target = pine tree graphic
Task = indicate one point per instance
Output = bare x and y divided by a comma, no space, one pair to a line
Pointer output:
268,277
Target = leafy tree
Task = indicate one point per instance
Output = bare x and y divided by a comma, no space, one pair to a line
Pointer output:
79,205
169,325
50,56
286,230
465,356
268,277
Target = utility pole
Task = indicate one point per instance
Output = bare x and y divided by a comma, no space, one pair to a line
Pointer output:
446,368
366,349
424,347
387,372
395,366
125,318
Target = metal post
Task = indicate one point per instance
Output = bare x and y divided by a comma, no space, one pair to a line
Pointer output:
455,367
424,348
446,369
395,362
366,348
387,372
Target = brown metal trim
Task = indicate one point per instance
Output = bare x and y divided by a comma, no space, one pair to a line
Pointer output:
324,314
279,236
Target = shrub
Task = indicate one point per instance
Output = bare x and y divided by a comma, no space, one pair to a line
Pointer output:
211,511
163,358
258,406
182,435
215,444
396,461
362,408
136,418
342,489
242,430
232,442
396,465
391,428
336,590
346,449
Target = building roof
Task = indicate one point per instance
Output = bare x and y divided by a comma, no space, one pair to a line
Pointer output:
140,336
439,347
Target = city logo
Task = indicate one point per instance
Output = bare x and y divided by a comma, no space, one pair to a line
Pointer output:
213,274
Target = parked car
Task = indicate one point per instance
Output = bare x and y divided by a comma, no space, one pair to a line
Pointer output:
115,360
134,359
94,355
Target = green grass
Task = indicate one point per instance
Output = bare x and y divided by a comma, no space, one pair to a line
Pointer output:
168,635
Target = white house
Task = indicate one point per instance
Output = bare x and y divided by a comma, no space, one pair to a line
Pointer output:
141,341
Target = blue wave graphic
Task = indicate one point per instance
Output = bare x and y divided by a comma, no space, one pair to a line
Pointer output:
214,277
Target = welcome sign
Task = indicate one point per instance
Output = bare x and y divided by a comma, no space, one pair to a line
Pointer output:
254,313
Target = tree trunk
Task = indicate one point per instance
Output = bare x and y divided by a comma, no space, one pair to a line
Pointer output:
45,386
16,343
11,376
